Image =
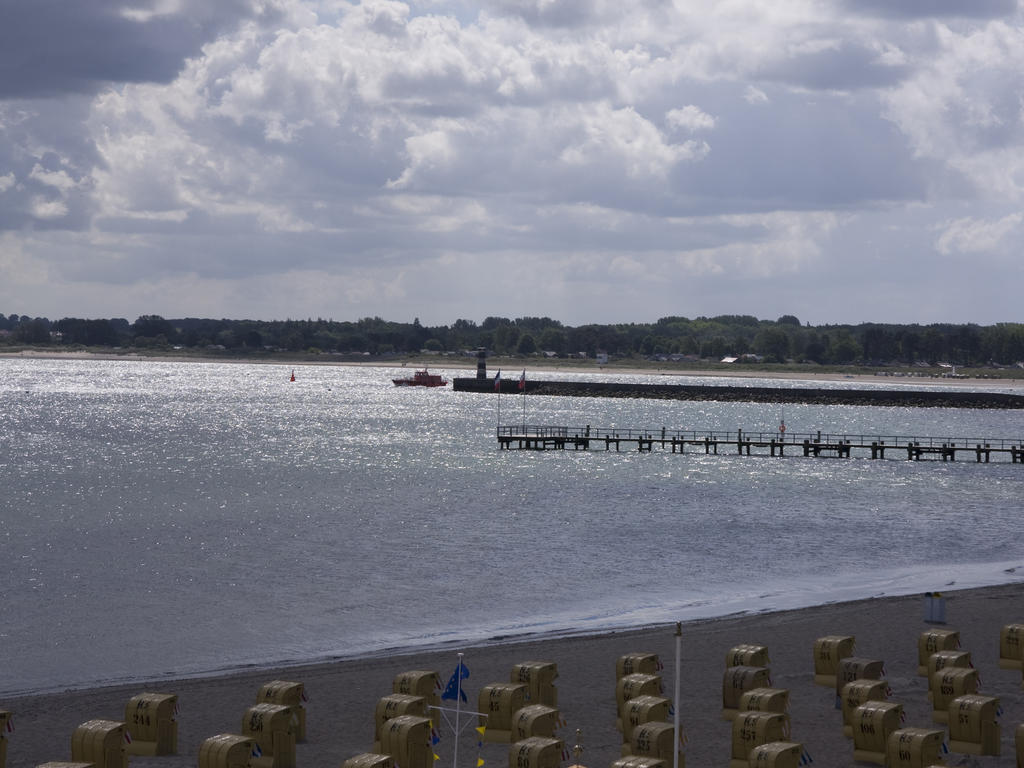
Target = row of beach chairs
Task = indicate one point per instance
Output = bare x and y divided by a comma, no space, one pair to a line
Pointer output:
523,713
269,731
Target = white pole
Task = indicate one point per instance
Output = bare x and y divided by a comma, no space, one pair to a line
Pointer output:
679,643
458,706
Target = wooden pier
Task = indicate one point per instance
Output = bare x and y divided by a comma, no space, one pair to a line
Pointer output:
543,438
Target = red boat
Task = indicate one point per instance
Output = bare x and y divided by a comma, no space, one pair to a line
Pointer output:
422,379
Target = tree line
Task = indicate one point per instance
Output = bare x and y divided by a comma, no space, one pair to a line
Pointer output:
776,341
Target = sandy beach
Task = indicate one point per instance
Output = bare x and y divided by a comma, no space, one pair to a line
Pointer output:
342,695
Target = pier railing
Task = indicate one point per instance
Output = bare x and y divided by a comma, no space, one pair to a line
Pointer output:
727,436
547,436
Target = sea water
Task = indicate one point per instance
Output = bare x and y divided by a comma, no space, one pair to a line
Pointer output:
175,519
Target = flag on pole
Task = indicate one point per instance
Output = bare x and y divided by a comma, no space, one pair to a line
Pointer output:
522,380
497,381
453,688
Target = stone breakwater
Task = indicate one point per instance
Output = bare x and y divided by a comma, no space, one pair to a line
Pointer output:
937,398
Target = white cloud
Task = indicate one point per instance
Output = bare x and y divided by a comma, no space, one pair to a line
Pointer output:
962,107
776,245
690,118
7,181
442,214
754,95
432,150
59,180
160,8
43,208
971,235
622,137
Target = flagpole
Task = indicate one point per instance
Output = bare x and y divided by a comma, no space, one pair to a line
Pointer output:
679,642
458,709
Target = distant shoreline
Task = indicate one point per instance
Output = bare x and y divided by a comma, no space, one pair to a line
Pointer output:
494,364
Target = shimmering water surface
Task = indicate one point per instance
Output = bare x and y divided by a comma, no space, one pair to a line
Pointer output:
163,518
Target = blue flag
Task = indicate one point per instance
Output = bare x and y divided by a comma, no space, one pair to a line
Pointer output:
453,689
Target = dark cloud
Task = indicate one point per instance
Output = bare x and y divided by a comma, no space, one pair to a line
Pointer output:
803,153
570,13
55,47
976,9
844,68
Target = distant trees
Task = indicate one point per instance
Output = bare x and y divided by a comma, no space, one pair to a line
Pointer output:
89,333
153,331
773,343
526,345
555,340
34,331
712,338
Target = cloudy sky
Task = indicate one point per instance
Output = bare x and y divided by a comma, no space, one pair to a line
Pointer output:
844,161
